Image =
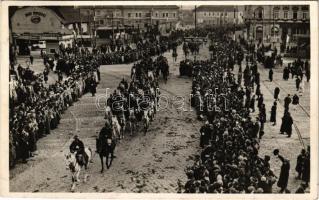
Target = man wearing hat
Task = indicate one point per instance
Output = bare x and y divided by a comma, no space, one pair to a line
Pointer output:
78,147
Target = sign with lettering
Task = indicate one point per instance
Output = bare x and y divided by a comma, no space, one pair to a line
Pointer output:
35,16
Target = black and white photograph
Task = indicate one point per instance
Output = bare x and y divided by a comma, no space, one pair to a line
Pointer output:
178,98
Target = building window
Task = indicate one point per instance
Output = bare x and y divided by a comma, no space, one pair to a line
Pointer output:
225,14
285,15
98,12
140,14
213,13
156,14
136,14
166,14
304,15
163,14
221,14
260,14
304,8
174,15
295,15
276,15
128,14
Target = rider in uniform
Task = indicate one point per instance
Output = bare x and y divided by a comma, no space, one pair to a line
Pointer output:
105,133
78,147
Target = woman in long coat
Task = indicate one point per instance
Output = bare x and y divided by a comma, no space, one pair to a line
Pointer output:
300,163
273,113
276,93
284,174
306,168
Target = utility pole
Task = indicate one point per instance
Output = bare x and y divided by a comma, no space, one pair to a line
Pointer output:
234,23
94,29
112,26
273,26
195,18
80,32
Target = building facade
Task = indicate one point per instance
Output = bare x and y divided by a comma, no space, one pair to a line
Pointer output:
137,17
218,15
33,25
282,26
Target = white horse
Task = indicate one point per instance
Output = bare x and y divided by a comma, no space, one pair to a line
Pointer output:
122,123
132,121
76,162
108,113
116,127
146,121
151,111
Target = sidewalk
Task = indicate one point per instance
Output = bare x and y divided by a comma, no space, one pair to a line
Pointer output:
288,147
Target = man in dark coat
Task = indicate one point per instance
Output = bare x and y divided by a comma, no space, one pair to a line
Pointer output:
286,73
300,163
287,101
105,133
31,59
78,147
273,113
295,101
306,168
93,85
276,93
286,126
205,132
284,174
271,73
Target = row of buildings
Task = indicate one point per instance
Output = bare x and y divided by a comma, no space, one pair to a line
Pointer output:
219,15
55,24
270,24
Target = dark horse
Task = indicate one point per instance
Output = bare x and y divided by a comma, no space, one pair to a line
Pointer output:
106,149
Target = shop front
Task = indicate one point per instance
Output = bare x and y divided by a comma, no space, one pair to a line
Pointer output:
39,29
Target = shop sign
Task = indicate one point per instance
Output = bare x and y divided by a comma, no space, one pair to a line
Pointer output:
35,16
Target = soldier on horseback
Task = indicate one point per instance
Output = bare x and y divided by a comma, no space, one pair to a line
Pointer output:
105,144
78,147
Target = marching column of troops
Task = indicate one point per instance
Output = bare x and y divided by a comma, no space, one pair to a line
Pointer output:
229,161
36,107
